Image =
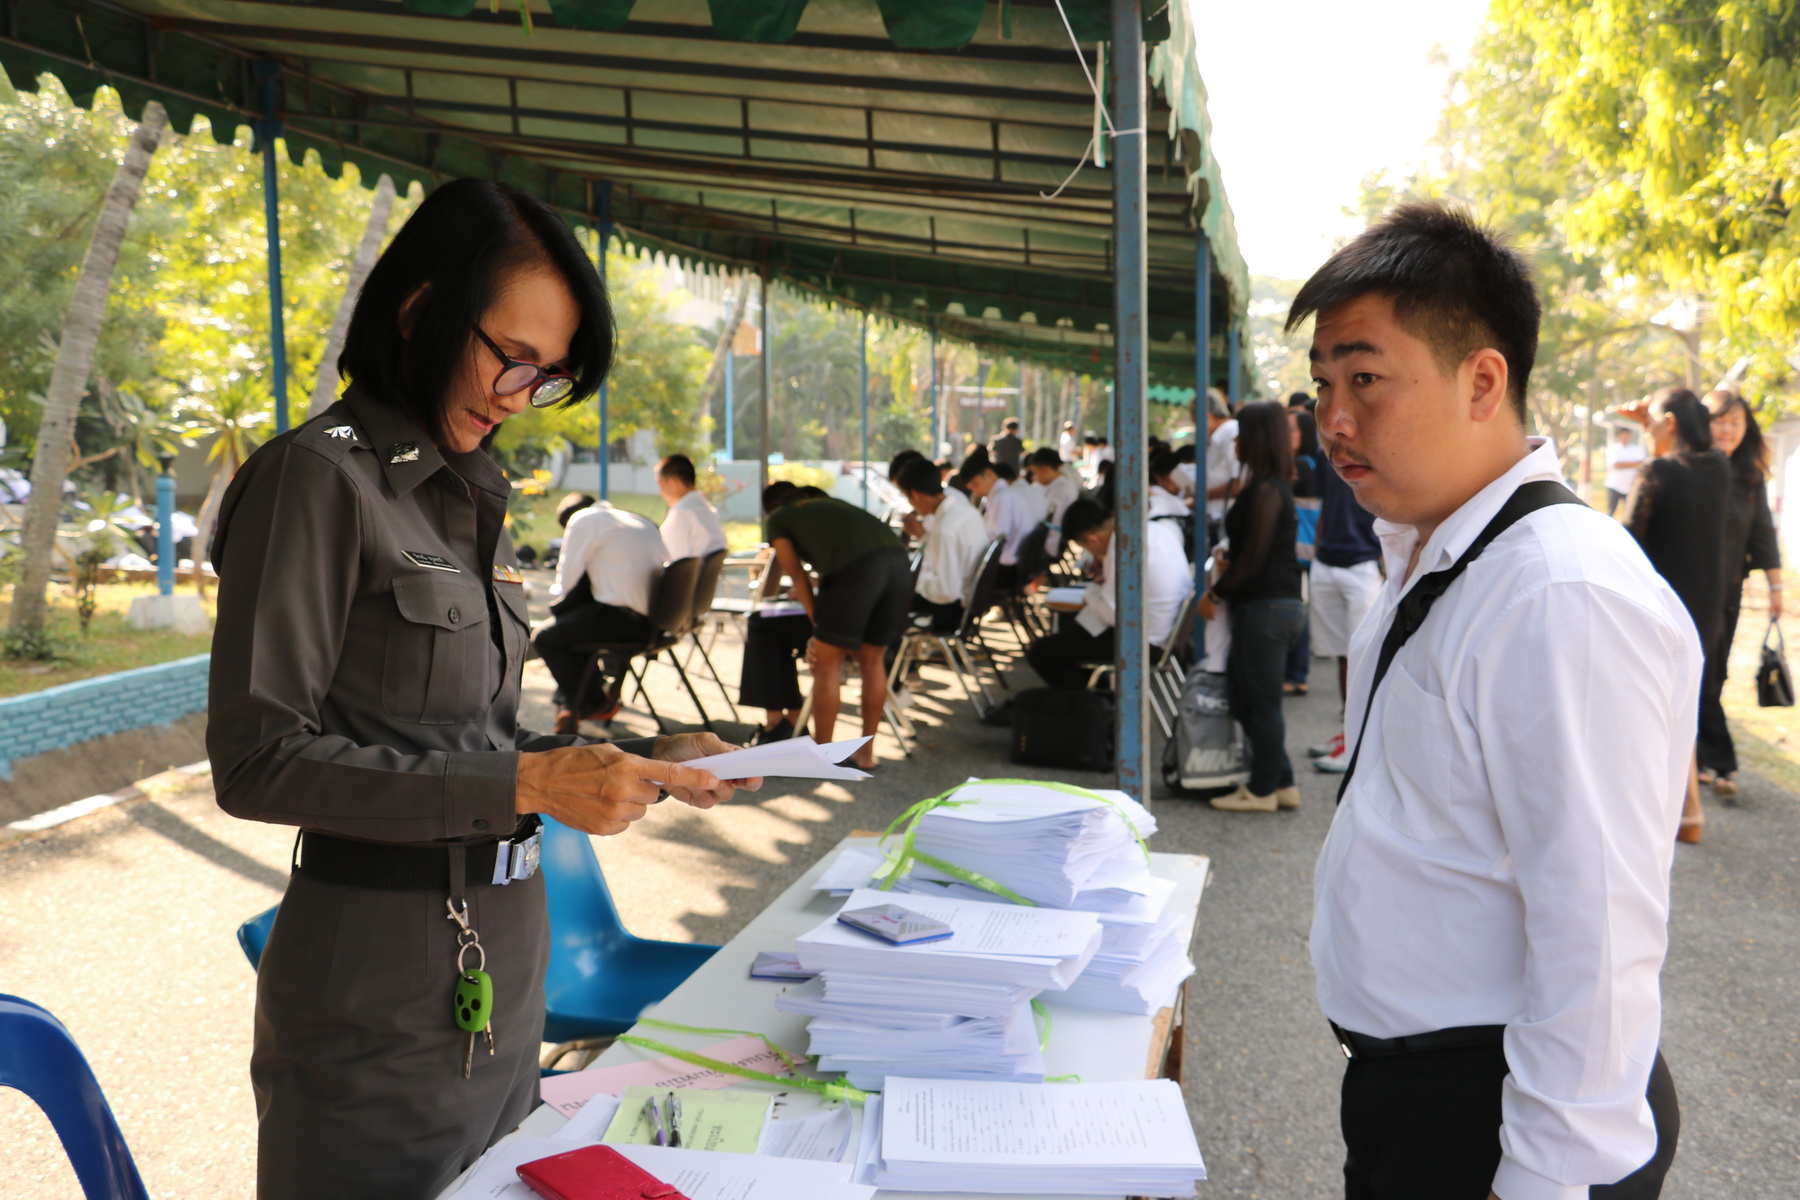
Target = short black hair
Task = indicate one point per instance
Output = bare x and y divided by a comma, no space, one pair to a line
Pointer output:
460,246
1004,470
920,475
778,494
677,466
1454,283
1011,424
1693,420
571,504
1082,517
1186,453
1163,463
1298,399
1045,456
898,463
1265,441
977,462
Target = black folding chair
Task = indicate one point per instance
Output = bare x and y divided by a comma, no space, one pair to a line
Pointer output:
706,590
979,595
671,618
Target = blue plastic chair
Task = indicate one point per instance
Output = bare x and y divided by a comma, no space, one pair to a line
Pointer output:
253,935
38,1057
600,976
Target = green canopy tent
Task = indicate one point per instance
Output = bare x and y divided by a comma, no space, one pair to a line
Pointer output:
915,158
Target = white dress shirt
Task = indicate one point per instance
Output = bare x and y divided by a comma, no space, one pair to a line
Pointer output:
955,536
1502,855
1011,512
1068,446
1622,463
692,528
1221,465
1167,582
620,552
1058,495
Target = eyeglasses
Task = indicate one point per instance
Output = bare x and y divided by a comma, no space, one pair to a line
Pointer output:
547,384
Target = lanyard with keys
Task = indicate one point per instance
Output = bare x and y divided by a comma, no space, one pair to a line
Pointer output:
473,1002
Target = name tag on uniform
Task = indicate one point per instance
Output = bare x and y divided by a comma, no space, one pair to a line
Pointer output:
506,574
434,561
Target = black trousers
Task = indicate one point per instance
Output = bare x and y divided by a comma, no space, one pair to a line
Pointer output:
1717,752
1427,1127
1065,658
771,672
590,623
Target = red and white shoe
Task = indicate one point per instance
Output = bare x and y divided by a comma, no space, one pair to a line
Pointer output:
1329,748
1334,764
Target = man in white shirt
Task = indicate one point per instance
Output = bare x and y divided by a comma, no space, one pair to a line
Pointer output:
610,561
1166,507
692,528
1085,637
1624,455
1222,468
1068,445
1492,900
955,537
1060,489
1011,510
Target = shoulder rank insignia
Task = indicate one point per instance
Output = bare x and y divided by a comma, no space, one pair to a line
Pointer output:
506,574
342,433
403,452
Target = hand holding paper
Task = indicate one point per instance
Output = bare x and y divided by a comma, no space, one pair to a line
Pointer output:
796,758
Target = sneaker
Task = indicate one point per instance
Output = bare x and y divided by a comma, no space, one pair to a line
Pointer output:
1243,800
781,731
1334,764
1328,749
1287,797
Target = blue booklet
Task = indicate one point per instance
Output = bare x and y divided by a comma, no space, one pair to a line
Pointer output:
899,926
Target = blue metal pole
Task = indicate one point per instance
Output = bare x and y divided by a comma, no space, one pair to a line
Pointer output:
1202,406
1234,348
165,533
937,403
267,130
730,403
605,233
865,410
1131,385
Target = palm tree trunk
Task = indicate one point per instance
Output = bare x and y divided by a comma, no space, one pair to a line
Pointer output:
74,359
209,516
326,385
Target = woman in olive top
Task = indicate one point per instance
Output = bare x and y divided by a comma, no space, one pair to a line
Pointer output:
365,688
865,588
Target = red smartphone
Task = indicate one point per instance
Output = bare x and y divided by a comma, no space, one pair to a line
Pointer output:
594,1173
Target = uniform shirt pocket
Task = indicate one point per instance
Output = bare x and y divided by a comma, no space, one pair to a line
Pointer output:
1426,758
438,651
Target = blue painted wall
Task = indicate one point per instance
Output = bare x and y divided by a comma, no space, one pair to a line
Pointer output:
90,708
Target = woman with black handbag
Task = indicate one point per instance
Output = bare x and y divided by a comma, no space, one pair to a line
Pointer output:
1750,545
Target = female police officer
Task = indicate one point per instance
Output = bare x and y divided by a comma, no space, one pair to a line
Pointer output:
365,685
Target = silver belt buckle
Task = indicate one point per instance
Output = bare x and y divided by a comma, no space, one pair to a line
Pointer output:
516,860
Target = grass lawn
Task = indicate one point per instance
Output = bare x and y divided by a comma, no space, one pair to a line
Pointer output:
110,645
534,520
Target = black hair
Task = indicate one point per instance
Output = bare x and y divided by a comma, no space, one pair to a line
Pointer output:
1264,441
1751,459
777,494
1104,470
1298,400
977,462
920,475
571,504
1455,284
1162,464
898,463
1693,420
1089,439
1045,456
1011,423
1082,517
455,254
807,491
677,466
1185,453
1004,470
1309,432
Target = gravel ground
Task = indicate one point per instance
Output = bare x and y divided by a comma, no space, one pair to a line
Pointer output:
122,923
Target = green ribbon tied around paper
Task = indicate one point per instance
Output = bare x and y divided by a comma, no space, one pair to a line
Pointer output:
900,859
829,1089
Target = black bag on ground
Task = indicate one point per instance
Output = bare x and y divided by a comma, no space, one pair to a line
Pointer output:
1774,685
1063,727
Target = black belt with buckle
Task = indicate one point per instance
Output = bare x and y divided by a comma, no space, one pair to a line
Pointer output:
414,867
1461,1037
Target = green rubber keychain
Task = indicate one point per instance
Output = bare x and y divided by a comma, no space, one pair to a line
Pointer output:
473,1003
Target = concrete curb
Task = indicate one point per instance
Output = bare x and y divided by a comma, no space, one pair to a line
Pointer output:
75,809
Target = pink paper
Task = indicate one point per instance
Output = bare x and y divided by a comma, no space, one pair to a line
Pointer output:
567,1093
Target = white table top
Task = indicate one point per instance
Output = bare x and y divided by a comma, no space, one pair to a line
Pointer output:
1097,1046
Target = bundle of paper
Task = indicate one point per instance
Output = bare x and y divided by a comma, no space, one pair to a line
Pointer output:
1082,1139
989,943
1140,978
965,1038
809,999
1046,844
849,993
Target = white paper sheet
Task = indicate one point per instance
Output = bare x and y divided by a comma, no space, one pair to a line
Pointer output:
1037,1125
977,928
851,869
795,758
590,1120
822,1137
1066,595
700,1174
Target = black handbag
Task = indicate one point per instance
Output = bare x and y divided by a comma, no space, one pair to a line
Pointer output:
1774,685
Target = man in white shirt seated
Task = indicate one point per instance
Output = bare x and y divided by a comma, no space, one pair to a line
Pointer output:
955,537
610,561
1060,488
1166,507
1492,901
1085,636
691,529
1010,509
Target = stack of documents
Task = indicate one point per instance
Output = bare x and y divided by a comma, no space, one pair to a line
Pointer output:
956,1009
1137,974
1080,1139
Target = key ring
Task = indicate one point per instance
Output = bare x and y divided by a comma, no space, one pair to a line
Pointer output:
480,961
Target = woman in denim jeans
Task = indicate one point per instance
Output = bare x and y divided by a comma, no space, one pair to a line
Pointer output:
1261,585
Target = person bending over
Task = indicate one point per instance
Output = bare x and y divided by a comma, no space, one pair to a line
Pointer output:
954,538
1085,635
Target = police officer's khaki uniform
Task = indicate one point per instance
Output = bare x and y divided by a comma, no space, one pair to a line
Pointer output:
365,685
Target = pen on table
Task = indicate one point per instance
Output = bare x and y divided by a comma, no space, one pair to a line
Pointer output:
654,1116
674,1110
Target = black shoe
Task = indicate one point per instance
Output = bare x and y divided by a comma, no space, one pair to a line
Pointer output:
780,732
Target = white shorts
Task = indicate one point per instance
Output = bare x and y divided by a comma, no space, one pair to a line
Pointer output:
1341,598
